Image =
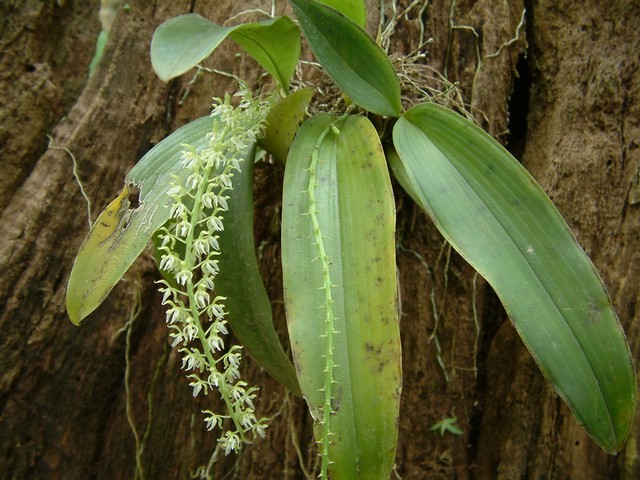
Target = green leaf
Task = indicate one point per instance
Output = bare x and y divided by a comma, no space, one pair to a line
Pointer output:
350,57
122,231
274,44
182,42
337,194
499,219
356,10
240,282
283,122
400,173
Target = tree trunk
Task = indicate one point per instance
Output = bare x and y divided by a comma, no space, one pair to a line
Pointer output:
562,91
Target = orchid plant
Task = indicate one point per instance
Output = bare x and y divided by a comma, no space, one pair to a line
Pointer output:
192,194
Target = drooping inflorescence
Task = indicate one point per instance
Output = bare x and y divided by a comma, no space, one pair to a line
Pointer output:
189,247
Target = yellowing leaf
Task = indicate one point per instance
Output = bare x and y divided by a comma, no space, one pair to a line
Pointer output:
283,122
104,234
120,233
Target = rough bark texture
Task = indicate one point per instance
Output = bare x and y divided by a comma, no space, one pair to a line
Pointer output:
568,89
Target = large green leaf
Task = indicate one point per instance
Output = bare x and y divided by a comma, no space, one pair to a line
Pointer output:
338,261
240,282
123,230
350,57
182,42
498,218
356,10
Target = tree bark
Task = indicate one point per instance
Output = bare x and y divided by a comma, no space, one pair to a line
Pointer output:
562,90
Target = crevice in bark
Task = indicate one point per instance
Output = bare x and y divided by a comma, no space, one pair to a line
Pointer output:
519,108
493,316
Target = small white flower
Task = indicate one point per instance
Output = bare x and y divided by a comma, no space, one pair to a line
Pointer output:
175,190
260,430
202,299
215,379
206,283
248,420
231,442
173,315
213,420
197,387
215,223
177,210
166,294
177,339
221,327
166,240
201,247
190,331
183,276
208,199
215,343
234,164
217,311
210,267
225,180
234,360
183,228
222,201
232,374
194,180
213,242
168,263
219,159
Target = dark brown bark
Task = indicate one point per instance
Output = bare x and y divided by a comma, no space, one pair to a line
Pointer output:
574,112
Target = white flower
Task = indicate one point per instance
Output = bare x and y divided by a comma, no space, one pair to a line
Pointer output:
168,262
183,276
225,180
210,267
222,201
215,223
213,420
202,299
201,247
194,180
231,442
197,387
221,327
248,420
208,200
217,311
174,314
174,190
259,429
219,159
215,343
213,242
